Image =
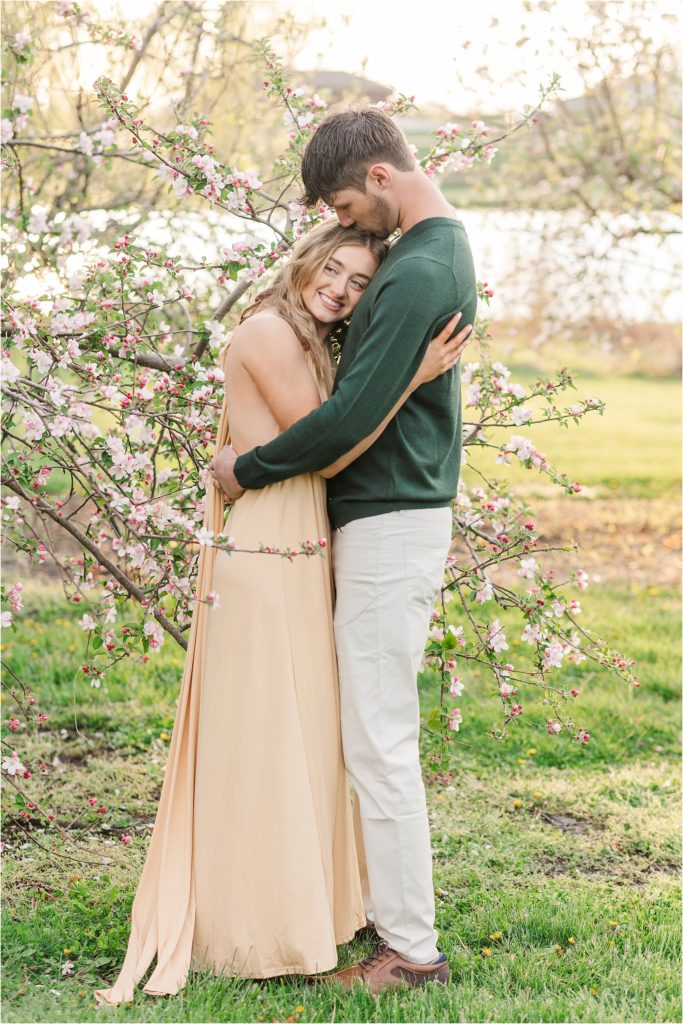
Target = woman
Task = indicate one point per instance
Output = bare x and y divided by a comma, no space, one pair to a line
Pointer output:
252,869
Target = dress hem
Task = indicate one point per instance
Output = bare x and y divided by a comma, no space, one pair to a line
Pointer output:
280,972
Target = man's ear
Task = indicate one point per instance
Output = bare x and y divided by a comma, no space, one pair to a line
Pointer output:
379,176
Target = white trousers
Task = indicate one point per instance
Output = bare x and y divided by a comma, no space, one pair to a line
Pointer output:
388,570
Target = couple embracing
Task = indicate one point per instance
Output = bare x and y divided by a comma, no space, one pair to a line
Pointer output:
262,861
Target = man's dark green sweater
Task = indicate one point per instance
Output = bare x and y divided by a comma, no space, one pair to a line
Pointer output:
428,275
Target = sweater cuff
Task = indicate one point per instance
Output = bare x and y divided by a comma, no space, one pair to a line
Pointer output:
246,471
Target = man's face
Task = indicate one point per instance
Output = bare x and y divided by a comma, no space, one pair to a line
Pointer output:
366,210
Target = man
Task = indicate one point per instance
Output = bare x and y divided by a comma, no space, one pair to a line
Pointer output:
390,509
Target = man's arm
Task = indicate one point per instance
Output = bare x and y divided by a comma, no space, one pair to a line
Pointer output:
386,361
442,354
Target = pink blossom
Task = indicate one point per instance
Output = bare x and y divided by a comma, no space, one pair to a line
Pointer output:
456,686
85,144
554,726
582,578
553,654
5,619
12,765
10,371
496,637
126,840
455,719
528,567
520,415
22,103
14,596
474,393
459,633
20,42
35,428
155,632
106,133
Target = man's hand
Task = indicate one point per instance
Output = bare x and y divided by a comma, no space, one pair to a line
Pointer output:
222,473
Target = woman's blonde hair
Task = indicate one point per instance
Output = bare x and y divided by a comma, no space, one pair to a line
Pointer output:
284,294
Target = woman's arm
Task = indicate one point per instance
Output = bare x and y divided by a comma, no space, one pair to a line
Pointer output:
441,355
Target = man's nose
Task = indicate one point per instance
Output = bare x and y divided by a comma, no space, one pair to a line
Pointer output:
345,220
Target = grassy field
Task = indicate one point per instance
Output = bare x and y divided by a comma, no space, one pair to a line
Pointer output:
556,866
631,450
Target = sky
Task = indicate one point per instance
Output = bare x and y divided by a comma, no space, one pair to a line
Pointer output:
427,47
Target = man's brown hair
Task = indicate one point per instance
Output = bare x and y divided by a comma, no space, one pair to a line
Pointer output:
343,147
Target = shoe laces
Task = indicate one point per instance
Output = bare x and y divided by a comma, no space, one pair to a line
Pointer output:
374,958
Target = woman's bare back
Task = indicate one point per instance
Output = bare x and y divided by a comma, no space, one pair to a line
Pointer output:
268,381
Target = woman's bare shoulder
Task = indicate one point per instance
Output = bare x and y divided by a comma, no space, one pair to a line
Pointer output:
265,335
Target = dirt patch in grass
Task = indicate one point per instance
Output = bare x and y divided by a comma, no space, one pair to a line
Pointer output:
629,872
570,823
631,540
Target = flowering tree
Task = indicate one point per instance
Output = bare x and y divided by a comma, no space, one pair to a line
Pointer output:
112,324
596,190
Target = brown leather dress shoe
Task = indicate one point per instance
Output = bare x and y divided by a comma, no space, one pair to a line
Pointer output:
385,968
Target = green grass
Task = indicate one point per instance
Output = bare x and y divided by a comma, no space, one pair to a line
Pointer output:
538,840
632,450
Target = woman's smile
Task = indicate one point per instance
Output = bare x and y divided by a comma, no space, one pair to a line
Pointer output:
329,302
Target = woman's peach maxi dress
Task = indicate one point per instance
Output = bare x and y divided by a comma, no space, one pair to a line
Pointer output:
252,868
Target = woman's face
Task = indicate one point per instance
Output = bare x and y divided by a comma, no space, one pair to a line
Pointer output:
335,289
